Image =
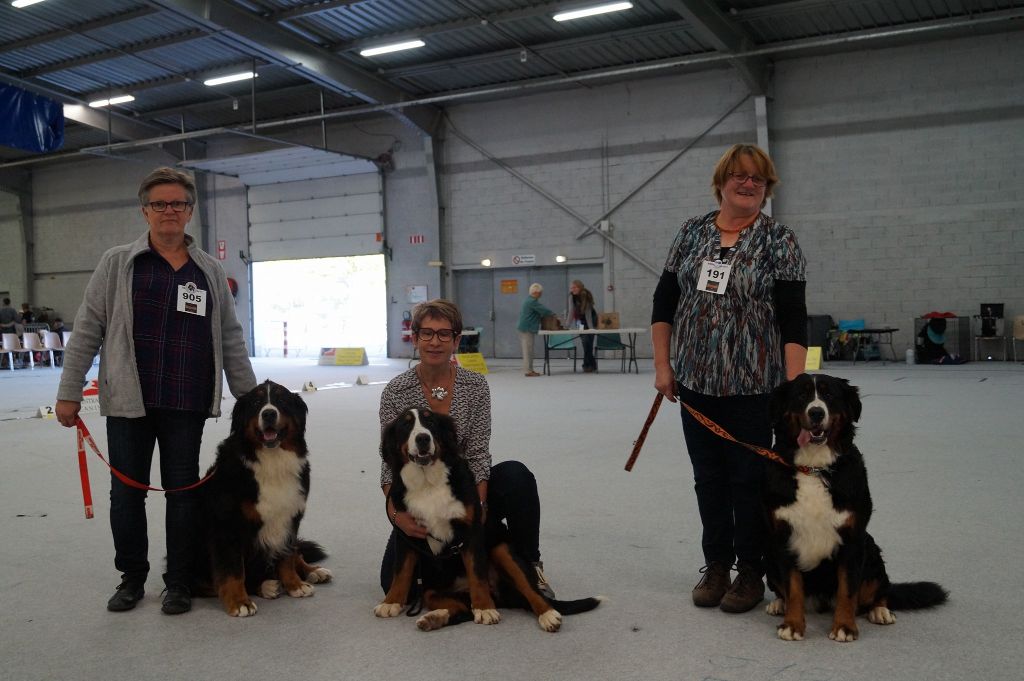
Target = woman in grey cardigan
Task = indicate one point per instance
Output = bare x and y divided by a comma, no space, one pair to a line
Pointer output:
159,312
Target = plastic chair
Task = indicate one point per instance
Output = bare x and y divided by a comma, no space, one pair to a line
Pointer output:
66,335
12,344
559,341
613,342
52,342
31,341
1018,334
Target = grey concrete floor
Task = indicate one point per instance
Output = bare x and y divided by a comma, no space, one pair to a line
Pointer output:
943,449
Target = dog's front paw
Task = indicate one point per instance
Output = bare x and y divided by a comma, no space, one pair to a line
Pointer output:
270,588
881,615
245,609
387,609
550,620
319,575
303,590
435,619
776,607
843,633
789,632
490,616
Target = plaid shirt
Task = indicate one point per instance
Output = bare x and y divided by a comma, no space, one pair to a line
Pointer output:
173,350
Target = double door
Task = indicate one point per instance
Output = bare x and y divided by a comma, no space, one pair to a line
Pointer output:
492,298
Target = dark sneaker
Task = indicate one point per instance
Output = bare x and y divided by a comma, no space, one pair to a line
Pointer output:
542,582
177,599
127,596
747,590
712,586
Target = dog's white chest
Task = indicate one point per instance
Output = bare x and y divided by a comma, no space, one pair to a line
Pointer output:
429,498
279,476
814,522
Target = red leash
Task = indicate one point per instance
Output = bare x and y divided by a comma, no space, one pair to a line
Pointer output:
85,436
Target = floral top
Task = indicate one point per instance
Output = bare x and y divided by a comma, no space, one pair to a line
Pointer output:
730,344
470,408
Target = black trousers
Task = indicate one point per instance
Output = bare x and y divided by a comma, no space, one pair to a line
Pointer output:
728,478
512,495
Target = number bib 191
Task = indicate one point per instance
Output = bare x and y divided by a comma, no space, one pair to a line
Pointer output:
191,300
714,277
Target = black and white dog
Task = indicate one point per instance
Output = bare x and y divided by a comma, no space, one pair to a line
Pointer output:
819,544
251,508
434,483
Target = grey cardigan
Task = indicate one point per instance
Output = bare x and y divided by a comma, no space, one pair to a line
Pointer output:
104,324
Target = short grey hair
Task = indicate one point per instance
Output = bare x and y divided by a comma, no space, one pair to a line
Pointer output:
167,176
535,288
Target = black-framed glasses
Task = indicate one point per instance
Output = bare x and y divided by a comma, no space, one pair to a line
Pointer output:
743,177
443,335
176,206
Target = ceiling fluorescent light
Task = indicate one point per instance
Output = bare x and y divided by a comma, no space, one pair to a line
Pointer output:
24,3
591,11
234,77
120,99
393,47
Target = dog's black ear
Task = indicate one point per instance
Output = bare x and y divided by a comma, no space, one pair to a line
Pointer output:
240,410
851,394
777,401
449,436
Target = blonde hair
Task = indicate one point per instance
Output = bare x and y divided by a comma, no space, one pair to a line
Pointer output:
729,160
167,176
536,288
438,308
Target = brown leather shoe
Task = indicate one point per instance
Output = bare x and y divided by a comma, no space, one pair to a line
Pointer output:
712,586
747,590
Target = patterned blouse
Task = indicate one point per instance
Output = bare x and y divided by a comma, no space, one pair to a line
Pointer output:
730,344
471,410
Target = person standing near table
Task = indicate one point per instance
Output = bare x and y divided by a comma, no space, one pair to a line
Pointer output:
160,313
733,294
583,314
530,315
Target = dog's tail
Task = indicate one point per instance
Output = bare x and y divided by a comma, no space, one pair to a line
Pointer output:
916,595
577,606
310,551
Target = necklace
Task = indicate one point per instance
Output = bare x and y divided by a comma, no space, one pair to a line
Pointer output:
438,392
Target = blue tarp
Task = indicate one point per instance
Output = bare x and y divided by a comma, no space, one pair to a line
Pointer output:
30,122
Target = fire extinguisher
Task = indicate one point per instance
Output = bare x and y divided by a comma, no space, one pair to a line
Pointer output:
407,326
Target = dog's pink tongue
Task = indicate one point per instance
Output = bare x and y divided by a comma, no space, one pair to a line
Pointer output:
269,434
803,438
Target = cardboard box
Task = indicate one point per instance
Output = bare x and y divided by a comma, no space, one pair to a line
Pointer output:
608,320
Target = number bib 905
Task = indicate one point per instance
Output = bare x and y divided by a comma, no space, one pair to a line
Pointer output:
714,277
191,300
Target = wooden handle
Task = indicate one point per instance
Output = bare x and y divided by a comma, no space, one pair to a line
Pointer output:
643,432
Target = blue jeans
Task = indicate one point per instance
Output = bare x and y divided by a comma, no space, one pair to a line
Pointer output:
512,495
130,444
727,477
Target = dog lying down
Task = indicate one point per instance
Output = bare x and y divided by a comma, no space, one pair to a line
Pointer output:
819,546
434,483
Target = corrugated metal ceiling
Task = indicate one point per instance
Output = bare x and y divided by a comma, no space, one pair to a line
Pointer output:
160,52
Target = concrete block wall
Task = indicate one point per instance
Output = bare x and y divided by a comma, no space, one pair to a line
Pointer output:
12,253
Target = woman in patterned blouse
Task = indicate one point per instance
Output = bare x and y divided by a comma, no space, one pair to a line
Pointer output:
733,294
508,488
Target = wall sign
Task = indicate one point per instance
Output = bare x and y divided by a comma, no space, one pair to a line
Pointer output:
524,259
510,286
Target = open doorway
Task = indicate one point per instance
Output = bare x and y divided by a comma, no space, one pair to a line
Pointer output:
305,305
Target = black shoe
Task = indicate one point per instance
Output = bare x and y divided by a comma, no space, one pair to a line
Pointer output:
127,596
177,599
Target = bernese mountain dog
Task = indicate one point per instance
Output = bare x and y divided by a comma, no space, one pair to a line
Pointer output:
818,512
472,568
251,508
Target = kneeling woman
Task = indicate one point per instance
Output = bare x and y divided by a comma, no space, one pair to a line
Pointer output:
507,489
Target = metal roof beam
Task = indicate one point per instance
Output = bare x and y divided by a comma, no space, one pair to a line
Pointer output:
727,37
279,45
305,10
114,53
74,29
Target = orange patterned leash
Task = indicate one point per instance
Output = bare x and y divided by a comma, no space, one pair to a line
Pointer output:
643,432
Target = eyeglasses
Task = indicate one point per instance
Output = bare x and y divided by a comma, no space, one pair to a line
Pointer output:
443,335
176,206
743,177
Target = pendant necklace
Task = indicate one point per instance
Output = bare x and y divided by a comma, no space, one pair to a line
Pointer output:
438,392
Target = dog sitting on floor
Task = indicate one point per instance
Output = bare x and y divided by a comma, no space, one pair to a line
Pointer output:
251,508
818,513
473,569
